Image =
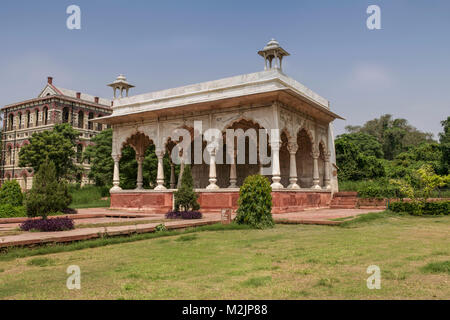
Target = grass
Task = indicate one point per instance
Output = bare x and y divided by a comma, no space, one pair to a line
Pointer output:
87,197
228,262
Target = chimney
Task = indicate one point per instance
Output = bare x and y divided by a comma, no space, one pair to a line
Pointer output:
112,103
50,80
78,95
96,99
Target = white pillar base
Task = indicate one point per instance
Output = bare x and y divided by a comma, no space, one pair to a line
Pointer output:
316,187
160,187
294,186
115,189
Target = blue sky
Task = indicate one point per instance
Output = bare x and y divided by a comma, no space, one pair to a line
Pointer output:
403,69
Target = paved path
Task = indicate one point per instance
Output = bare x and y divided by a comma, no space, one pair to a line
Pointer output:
98,216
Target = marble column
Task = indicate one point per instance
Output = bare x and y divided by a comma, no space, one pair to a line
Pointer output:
160,175
326,178
316,178
276,174
140,177
233,171
116,174
172,176
212,169
292,148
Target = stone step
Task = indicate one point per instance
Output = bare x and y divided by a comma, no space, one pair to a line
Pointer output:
341,206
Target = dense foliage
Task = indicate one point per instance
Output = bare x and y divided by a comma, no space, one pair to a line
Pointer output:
10,211
48,225
370,156
185,196
58,146
48,195
10,193
255,203
418,208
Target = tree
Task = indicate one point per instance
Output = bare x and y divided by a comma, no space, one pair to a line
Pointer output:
353,163
185,196
255,203
99,156
48,195
395,135
444,139
10,193
58,146
366,143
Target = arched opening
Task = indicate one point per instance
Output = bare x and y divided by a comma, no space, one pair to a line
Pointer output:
11,122
28,119
20,120
81,120
247,156
90,124
304,160
65,115
8,159
36,118
45,116
99,125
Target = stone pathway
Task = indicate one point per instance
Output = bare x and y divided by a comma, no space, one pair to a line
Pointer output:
98,216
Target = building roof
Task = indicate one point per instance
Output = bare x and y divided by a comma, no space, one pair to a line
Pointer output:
51,90
243,85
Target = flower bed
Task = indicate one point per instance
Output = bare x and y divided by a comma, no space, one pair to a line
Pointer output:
48,225
185,215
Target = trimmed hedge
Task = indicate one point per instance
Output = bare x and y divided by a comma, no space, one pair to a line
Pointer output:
48,225
186,215
10,211
420,208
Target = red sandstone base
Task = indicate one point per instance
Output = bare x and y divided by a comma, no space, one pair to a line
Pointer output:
210,202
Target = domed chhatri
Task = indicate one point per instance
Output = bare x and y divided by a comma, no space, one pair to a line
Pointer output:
273,55
121,84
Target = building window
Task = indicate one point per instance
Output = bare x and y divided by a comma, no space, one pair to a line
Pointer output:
20,120
11,122
36,119
45,116
28,119
81,120
90,124
65,118
99,125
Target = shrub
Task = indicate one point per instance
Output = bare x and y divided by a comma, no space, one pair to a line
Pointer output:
48,195
160,228
255,203
10,193
48,225
186,215
420,208
10,211
185,197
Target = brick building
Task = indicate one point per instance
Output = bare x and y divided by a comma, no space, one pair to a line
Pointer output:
54,105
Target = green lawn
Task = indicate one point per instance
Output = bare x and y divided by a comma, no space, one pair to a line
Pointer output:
287,262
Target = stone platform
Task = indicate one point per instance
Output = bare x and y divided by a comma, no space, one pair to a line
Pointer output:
284,201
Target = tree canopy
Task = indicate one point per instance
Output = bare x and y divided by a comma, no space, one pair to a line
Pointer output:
57,145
